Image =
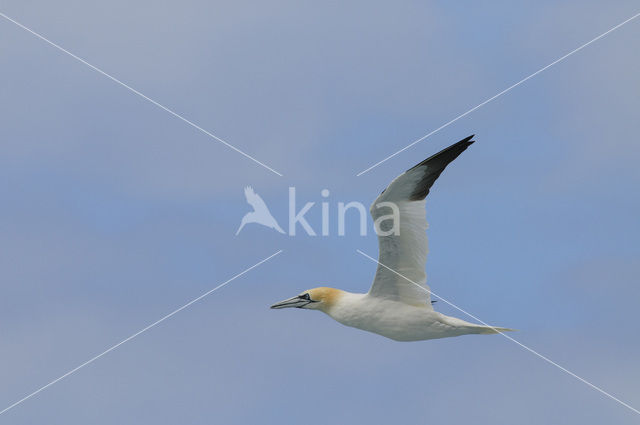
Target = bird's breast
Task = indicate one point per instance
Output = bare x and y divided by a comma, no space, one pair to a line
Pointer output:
389,318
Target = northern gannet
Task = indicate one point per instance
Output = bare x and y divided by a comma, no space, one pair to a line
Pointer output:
398,305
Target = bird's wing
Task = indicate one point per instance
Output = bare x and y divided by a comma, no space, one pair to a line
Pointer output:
405,250
254,200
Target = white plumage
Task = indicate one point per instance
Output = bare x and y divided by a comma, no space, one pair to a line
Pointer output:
398,305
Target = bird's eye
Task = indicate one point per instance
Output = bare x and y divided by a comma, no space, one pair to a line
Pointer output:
304,297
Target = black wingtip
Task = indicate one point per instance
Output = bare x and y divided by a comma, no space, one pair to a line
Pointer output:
449,153
435,164
468,139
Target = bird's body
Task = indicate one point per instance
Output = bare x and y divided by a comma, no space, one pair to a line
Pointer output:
398,305
390,318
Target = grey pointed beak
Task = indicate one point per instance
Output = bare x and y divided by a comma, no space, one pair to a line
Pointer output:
291,302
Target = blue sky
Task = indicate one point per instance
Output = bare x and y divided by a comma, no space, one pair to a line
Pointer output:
115,213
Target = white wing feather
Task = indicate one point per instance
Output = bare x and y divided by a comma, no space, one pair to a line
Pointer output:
405,251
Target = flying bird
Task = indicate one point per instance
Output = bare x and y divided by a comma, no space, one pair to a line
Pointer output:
398,305
260,213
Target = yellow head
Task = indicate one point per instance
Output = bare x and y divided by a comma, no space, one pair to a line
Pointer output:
322,298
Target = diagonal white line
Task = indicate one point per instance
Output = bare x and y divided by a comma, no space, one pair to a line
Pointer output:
531,350
157,322
497,95
131,89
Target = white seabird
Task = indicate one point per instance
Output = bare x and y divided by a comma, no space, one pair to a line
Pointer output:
398,305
